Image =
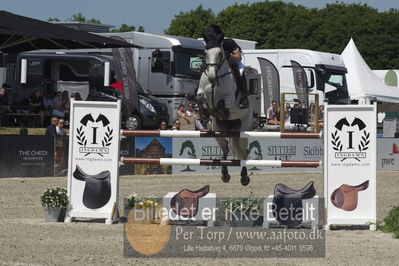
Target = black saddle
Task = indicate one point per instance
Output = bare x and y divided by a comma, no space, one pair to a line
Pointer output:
287,203
97,191
185,203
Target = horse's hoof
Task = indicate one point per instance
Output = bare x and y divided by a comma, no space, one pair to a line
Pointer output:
225,174
244,180
225,178
244,177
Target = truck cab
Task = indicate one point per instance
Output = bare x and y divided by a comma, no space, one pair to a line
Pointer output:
325,72
168,67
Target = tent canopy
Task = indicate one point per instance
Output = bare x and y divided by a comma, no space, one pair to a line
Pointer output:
363,83
18,34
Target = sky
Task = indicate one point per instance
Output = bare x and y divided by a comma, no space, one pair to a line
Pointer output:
154,15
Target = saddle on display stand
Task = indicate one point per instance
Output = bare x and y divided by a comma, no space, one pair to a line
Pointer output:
97,191
286,199
185,203
345,197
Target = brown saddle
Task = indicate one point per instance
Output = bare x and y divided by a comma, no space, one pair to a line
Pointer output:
185,203
345,197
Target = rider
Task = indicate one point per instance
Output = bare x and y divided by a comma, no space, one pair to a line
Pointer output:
234,56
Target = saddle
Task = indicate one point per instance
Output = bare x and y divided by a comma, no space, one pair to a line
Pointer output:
97,191
185,203
286,199
345,197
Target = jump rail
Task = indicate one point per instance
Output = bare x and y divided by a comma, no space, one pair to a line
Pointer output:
219,134
213,162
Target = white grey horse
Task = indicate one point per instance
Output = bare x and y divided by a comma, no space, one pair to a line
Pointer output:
217,95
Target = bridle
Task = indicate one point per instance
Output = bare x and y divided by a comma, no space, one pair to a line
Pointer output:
217,67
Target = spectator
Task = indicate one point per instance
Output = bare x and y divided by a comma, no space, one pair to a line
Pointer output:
65,102
287,112
176,125
78,97
163,126
48,104
23,106
190,112
51,129
4,103
181,114
5,106
60,127
321,116
36,104
271,115
57,105
278,114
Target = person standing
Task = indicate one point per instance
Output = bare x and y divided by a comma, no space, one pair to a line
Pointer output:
51,129
60,127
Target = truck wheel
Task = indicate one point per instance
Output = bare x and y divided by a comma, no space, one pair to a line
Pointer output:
133,122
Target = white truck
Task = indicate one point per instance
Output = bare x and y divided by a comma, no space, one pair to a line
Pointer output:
325,72
168,67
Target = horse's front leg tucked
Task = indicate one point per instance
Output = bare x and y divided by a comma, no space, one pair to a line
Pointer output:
203,110
222,113
225,148
240,148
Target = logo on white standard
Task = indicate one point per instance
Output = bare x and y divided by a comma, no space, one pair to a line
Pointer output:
350,140
94,144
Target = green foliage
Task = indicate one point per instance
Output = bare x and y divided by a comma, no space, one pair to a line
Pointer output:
55,197
53,19
133,200
78,17
125,28
243,205
192,23
279,25
391,222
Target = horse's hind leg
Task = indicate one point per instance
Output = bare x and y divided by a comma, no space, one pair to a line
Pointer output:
225,148
240,148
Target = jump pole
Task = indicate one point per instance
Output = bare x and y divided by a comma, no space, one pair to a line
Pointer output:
214,162
219,134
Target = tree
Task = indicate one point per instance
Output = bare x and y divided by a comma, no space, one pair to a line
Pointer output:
285,25
192,23
126,28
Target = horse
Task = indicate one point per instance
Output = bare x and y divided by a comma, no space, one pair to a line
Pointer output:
218,96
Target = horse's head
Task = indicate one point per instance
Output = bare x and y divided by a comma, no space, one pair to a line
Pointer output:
214,58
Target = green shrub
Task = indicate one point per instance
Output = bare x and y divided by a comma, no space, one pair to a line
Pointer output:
391,223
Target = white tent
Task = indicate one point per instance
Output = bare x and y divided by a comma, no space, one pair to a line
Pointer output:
363,84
